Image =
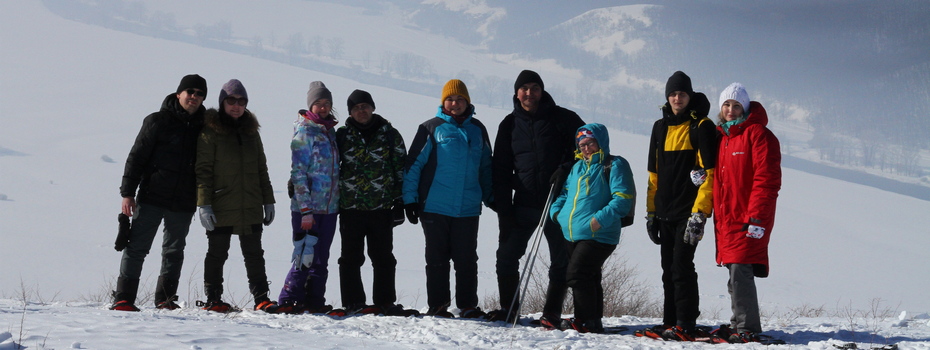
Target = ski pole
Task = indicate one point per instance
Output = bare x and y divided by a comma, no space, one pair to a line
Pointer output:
531,259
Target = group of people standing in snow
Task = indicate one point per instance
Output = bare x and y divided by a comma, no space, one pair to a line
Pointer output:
549,171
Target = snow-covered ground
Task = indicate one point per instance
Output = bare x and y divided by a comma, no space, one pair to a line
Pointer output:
91,326
73,95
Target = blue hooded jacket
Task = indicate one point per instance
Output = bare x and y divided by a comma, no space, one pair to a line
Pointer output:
449,166
588,194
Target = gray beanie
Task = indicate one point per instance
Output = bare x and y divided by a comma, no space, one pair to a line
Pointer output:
233,87
318,91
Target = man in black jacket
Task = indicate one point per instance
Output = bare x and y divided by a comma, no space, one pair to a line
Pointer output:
161,165
531,143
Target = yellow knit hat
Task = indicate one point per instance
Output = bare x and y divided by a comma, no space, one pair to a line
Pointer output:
454,87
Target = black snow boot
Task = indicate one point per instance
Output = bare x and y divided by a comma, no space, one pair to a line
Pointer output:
124,297
166,292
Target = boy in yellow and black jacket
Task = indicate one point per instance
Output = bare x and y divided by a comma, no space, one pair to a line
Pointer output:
682,156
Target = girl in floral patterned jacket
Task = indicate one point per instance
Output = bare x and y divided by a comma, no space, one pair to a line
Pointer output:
315,203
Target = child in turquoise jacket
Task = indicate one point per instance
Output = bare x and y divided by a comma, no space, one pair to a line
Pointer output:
597,193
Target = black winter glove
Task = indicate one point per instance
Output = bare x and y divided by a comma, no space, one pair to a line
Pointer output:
413,212
652,229
122,238
560,174
397,213
290,189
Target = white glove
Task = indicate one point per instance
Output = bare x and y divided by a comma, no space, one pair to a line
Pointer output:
269,214
755,232
207,219
695,230
698,176
303,252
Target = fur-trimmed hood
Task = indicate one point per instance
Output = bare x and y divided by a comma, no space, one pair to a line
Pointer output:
222,123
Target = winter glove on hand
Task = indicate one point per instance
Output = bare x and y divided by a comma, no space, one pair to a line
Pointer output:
695,230
698,176
558,176
269,214
207,219
755,232
306,222
413,212
397,213
290,189
122,237
652,229
302,257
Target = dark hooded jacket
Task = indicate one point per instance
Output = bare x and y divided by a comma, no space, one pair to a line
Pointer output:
232,171
528,149
673,154
161,161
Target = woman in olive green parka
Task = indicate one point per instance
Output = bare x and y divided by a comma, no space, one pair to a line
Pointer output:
234,194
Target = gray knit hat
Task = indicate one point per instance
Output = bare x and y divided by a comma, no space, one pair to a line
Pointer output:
233,87
318,91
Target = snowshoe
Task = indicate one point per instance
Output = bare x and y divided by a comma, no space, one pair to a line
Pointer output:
654,332
169,304
215,306
268,306
501,315
124,305
551,322
472,313
439,312
398,310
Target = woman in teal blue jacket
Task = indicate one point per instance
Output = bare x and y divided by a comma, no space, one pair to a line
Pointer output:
596,195
448,176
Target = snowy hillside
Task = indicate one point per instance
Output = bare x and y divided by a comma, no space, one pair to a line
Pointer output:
74,94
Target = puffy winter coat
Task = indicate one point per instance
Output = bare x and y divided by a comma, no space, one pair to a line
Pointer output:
161,161
587,194
449,166
527,150
314,168
232,172
746,189
673,155
371,171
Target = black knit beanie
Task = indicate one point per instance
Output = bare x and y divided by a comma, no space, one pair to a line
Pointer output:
679,81
528,76
359,96
192,81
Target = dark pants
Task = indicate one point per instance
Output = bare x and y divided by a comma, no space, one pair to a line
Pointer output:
218,242
456,239
743,299
514,237
586,259
354,227
308,286
679,279
144,227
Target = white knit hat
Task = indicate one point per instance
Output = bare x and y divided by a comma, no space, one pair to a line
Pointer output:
737,92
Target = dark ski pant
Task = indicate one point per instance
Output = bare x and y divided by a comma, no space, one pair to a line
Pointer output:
679,279
585,262
456,239
308,286
744,301
514,237
144,227
377,226
218,242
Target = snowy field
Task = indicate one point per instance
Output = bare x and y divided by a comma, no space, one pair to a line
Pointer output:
72,97
92,326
